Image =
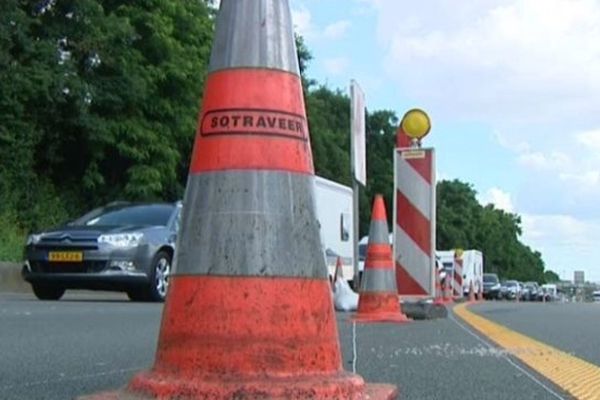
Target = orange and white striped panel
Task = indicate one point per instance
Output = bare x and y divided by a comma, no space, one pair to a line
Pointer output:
457,279
414,221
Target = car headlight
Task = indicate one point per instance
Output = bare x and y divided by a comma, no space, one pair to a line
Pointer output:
122,239
33,239
496,287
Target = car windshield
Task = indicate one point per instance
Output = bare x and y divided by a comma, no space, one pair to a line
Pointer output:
511,284
147,215
490,278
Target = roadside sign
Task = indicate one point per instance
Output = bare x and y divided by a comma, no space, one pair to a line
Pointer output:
358,128
414,221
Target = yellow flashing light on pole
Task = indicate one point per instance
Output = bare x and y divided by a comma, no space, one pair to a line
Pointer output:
416,124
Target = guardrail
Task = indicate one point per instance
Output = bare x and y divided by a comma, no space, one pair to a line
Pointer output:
10,278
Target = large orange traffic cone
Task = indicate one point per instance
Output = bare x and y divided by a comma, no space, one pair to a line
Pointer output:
378,301
249,312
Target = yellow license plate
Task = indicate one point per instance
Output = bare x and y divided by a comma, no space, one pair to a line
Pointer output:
65,256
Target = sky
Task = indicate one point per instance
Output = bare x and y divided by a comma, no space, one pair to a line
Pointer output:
513,91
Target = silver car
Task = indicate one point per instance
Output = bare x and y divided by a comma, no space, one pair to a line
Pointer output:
122,246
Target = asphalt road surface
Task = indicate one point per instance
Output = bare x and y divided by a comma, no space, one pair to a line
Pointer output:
87,343
570,327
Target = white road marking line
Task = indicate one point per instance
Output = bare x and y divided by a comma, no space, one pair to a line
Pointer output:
354,352
72,378
507,358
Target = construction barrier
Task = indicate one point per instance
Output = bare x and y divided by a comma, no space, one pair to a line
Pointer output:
457,279
414,221
249,312
378,297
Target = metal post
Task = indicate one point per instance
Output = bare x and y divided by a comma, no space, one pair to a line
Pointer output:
355,198
433,223
355,223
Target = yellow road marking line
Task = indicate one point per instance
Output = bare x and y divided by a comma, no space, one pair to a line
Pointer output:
574,375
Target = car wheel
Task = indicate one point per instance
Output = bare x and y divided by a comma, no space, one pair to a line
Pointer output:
159,276
45,292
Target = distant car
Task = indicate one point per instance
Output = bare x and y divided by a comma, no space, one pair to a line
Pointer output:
122,246
503,290
491,286
524,291
532,291
549,292
513,290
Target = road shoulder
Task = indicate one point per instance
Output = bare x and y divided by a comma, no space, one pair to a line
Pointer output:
575,376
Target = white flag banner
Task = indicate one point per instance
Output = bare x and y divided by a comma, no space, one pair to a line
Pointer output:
358,129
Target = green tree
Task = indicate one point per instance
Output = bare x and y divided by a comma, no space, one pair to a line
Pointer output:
99,99
28,70
380,140
304,58
551,277
99,102
463,222
131,76
457,213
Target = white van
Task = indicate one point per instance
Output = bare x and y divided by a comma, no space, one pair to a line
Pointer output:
550,292
472,268
334,212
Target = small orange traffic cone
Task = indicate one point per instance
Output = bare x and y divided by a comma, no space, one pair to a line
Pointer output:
448,290
249,312
378,301
480,295
471,292
445,293
439,290
339,272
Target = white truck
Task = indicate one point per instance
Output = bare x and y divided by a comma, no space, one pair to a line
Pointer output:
334,213
472,268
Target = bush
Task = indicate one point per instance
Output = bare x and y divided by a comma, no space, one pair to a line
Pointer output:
24,210
12,239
